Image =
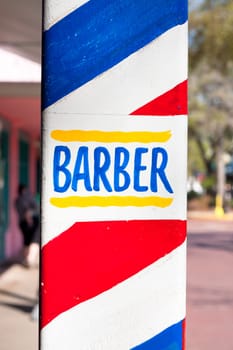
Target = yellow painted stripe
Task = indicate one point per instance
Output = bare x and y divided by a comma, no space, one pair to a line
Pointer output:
110,136
117,201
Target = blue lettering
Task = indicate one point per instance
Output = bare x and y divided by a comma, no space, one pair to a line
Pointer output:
100,170
138,167
110,172
59,168
82,159
159,170
119,169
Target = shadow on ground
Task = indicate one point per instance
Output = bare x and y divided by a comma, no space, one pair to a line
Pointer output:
21,302
20,307
216,241
6,264
202,296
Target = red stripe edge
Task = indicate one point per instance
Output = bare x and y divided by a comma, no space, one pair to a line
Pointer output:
92,257
184,334
172,102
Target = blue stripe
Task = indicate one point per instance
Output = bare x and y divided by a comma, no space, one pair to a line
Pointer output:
170,339
97,36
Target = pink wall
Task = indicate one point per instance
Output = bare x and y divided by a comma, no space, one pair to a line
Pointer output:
13,236
13,243
23,114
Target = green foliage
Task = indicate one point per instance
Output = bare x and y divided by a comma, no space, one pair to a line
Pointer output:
211,35
211,114
211,87
209,184
193,195
195,160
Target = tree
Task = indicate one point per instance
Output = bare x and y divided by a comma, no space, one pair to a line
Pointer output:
211,35
211,85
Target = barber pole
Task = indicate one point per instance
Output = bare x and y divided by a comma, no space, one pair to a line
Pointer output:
113,273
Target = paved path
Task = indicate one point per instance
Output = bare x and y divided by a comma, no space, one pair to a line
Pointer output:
210,285
18,292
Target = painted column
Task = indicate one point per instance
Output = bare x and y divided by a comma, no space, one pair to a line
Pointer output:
114,175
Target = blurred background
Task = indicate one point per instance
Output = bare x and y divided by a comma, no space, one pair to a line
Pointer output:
210,165
210,170
20,77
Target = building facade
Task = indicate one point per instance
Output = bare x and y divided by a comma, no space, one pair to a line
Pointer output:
19,156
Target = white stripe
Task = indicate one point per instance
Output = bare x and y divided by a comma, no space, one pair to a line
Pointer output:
133,82
56,220
126,315
55,10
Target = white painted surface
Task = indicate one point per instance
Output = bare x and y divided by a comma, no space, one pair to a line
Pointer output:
126,315
175,171
57,9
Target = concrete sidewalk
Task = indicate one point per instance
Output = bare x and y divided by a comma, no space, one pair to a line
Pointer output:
209,285
18,294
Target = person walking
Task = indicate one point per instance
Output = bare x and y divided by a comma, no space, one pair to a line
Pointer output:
28,215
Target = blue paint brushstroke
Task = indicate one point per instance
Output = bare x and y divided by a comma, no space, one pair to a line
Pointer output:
169,339
97,36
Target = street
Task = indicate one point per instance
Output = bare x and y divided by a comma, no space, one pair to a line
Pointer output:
209,293
210,285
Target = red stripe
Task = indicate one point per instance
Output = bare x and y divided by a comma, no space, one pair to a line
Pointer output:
184,335
91,257
173,102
